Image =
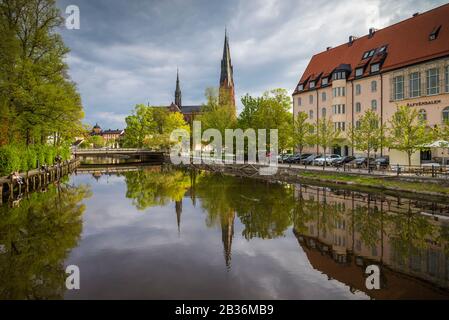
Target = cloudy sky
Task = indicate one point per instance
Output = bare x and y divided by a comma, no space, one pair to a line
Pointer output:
127,52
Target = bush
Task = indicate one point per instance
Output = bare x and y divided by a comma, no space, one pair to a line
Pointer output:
10,159
22,158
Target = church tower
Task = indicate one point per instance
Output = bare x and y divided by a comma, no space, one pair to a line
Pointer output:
178,91
226,76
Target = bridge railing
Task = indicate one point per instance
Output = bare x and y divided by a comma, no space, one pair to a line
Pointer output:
114,150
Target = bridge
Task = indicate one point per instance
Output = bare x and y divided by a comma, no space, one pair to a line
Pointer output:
116,151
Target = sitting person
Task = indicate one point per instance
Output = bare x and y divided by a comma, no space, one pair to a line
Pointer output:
17,177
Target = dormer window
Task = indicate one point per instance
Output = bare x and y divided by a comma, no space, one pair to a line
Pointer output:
300,87
365,55
375,67
324,82
434,34
382,49
371,53
358,72
339,75
312,84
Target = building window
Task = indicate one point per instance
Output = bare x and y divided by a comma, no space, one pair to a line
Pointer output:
398,88
358,72
339,75
323,96
358,89
446,114
415,84
299,101
300,87
357,124
311,114
358,107
323,112
422,114
433,80
312,84
375,67
374,105
324,82
373,86
310,98
447,78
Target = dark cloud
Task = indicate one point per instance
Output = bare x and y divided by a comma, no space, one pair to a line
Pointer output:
127,52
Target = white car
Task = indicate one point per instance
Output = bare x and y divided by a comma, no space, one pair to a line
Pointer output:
329,159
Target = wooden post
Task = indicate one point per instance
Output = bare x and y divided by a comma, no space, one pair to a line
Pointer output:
1,194
11,189
27,181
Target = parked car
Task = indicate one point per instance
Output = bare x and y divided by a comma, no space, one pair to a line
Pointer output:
320,161
299,157
283,157
362,162
382,162
342,161
309,160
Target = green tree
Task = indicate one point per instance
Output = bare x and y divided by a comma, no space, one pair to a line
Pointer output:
302,132
368,135
326,135
37,98
407,132
216,115
270,111
151,127
94,141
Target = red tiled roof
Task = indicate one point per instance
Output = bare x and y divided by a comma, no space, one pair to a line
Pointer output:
408,43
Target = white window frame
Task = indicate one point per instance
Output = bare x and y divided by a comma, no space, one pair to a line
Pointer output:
398,80
413,91
358,107
375,66
359,72
432,90
358,89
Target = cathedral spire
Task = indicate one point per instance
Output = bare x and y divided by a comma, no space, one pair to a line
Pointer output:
178,91
226,76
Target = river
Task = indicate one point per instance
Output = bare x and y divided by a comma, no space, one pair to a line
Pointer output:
156,232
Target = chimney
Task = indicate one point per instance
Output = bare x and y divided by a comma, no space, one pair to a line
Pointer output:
372,31
328,48
415,14
352,39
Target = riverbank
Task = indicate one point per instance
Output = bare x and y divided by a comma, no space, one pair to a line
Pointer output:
410,186
35,179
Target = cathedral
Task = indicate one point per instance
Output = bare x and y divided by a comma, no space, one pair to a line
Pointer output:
226,89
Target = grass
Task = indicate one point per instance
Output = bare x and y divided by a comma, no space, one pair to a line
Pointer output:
377,182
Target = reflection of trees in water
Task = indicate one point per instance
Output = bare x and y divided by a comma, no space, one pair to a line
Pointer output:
409,234
264,209
36,238
155,186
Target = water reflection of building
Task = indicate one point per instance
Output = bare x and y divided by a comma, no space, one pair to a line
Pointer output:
346,231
